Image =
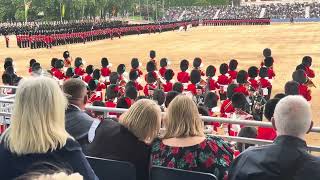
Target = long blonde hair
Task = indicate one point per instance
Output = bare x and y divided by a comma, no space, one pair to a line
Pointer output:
38,118
143,119
183,119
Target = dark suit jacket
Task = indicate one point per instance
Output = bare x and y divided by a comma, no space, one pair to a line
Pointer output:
69,157
286,159
114,141
78,124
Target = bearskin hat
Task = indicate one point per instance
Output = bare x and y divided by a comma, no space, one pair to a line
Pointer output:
301,66
224,68
31,62
53,61
7,63
269,108
242,77
133,75
211,100
129,84
168,75
104,62
253,72
78,62
233,64
164,62
124,102
184,65
291,88
177,86
268,61
89,69
10,70
307,61
59,64
93,84
299,76
197,62
211,71
159,96
151,77
267,52
131,92
263,72
70,72
152,54
195,76
230,90
114,77
7,78
135,63
121,69
112,91
96,74
151,66
239,101
66,54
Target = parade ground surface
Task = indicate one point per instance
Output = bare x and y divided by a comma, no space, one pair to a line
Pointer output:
215,45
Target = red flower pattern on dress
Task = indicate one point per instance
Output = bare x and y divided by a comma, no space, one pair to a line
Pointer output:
189,158
171,164
209,162
175,150
213,146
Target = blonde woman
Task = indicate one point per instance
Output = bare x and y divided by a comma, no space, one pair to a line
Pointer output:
185,145
128,139
37,132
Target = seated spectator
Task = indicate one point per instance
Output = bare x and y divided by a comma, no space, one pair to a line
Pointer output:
185,145
170,96
78,122
287,157
291,88
160,97
268,133
128,140
247,132
37,132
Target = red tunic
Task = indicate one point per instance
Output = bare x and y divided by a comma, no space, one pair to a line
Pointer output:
95,96
265,83
223,80
305,92
254,83
183,77
87,78
271,73
58,74
310,72
233,74
241,89
105,72
213,85
111,104
266,133
167,87
140,73
192,88
53,70
214,124
226,107
162,71
30,70
101,86
148,88
138,86
79,71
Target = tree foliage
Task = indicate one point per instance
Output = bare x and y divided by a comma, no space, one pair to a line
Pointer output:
14,10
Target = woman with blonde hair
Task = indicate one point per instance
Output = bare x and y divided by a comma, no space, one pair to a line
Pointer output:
129,139
185,146
37,132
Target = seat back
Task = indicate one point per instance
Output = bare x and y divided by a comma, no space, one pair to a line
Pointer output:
164,173
111,169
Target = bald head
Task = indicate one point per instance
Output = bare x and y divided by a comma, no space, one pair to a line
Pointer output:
292,116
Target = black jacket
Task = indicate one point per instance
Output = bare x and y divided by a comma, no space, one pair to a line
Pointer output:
286,159
114,141
78,124
69,157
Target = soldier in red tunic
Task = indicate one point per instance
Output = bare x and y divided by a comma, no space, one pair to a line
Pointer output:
151,67
151,84
163,66
268,62
301,77
233,64
53,62
105,67
211,102
184,76
88,76
268,133
153,57
264,83
226,107
211,81
197,65
59,73
32,61
223,81
67,59
242,79
194,87
135,66
69,73
253,74
168,75
111,94
79,71
97,76
94,95
133,76
266,53
307,62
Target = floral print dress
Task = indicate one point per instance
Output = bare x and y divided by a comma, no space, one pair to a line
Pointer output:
213,155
